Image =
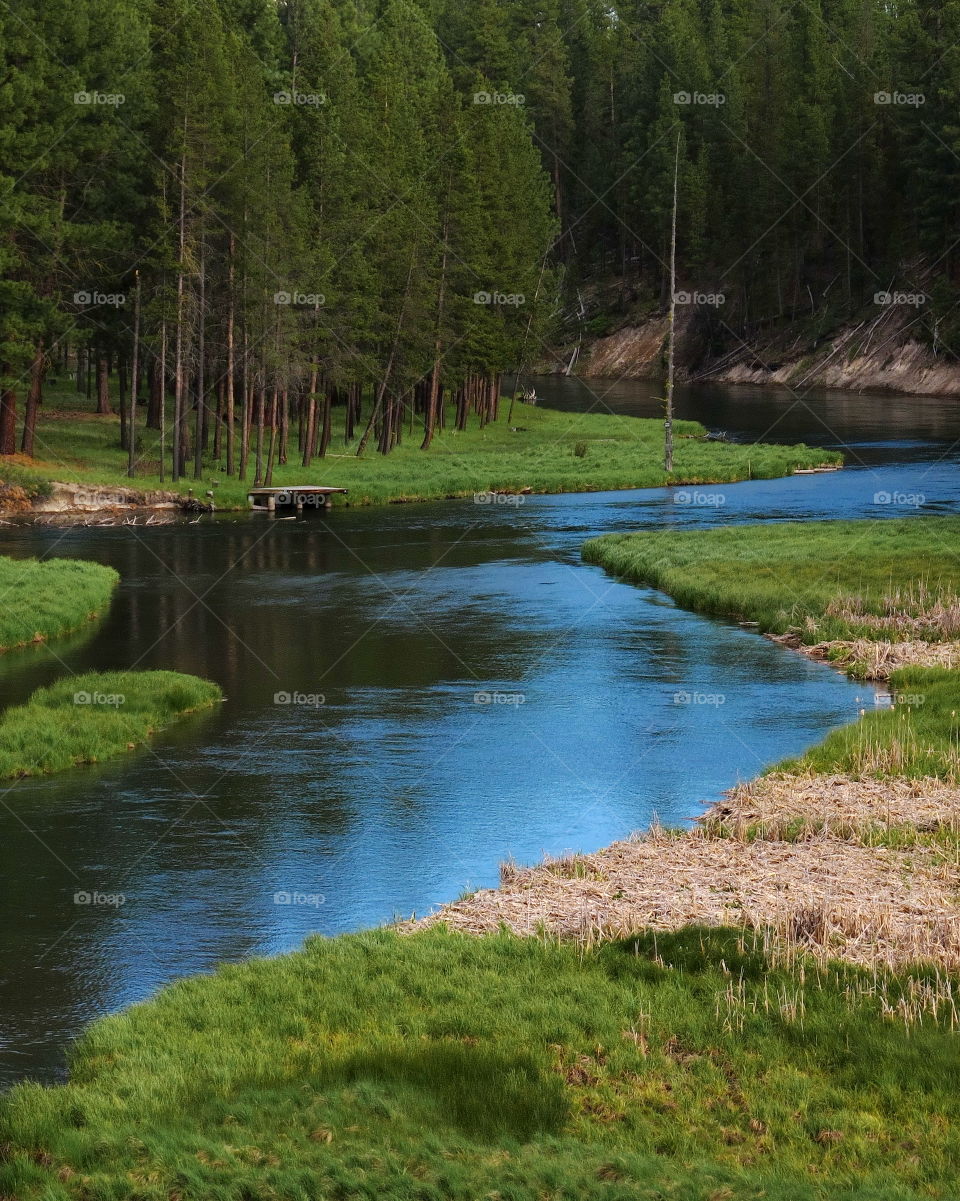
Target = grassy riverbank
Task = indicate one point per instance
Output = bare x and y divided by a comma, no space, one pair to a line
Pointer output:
831,580
44,600
88,718
440,1066
848,588
543,451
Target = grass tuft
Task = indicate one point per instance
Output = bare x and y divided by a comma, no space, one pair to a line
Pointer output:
44,600
88,718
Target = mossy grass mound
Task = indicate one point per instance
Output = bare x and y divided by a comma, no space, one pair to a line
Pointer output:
88,718
49,599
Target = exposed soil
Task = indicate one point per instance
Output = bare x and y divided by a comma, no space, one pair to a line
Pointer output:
879,352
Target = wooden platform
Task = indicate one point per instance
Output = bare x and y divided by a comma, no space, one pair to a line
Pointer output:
299,497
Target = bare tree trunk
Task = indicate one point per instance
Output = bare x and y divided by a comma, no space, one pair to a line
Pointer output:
122,394
258,472
178,382
310,424
135,383
201,424
8,421
231,365
284,425
327,423
103,385
162,373
268,482
34,400
668,421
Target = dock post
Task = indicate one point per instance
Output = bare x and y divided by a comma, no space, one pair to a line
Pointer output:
272,505
299,504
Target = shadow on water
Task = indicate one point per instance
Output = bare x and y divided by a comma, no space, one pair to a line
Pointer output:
414,693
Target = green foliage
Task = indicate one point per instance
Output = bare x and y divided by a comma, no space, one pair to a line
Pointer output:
441,1065
44,600
91,717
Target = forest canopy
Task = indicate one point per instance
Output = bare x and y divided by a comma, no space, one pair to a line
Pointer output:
383,204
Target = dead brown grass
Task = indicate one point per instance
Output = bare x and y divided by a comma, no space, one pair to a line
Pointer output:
775,805
836,898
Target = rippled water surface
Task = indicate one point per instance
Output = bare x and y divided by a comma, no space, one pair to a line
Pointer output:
485,695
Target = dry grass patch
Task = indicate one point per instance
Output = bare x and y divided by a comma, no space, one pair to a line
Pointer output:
866,905
869,659
784,804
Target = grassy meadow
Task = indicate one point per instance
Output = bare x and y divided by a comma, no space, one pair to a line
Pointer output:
91,717
543,450
44,600
444,1067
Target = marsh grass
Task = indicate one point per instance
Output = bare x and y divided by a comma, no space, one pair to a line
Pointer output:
81,720
819,581
911,740
541,453
44,600
822,581
441,1067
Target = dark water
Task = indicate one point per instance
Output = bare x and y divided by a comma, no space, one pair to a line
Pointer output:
403,788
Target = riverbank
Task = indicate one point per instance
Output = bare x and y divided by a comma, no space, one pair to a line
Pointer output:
733,1012
849,852
95,716
50,599
876,351
539,451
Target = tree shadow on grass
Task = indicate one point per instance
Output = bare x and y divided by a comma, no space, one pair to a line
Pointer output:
484,1092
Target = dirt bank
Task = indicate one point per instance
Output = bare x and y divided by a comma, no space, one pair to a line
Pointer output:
877,352
77,500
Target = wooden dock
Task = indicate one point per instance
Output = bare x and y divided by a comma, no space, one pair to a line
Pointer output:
300,497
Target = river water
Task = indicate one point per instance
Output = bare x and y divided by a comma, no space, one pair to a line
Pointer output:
484,696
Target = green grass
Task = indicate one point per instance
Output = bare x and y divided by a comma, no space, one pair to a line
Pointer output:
40,601
621,452
918,737
829,580
825,580
442,1067
88,718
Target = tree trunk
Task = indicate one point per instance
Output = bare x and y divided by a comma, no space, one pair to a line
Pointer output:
34,400
103,385
122,393
8,421
284,425
231,366
178,370
327,423
201,425
268,482
258,472
135,384
310,423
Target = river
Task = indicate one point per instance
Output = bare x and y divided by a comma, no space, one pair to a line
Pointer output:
469,692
